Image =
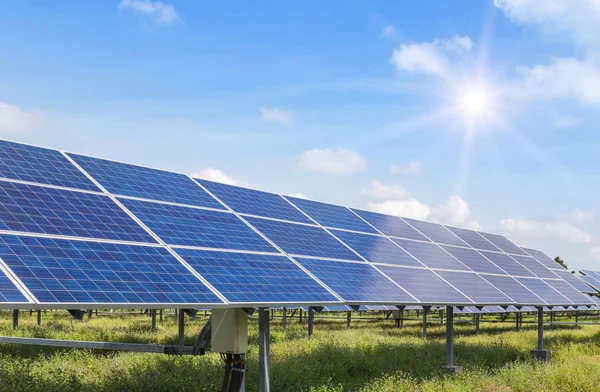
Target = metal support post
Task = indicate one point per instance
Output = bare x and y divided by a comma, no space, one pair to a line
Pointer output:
476,316
89,314
175,314
348,318
311,321
39,318
577,318
540,353
450,367
264,360
441,316
153,315
284,318
15,318
160,312
300,315
181,328
425,311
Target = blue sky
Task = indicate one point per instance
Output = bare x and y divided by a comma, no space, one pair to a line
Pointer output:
476,114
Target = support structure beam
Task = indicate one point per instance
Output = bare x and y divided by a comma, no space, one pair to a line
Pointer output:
348,319
284,318
264,360
540,353
181,328
450,367
15,318
311,321
153,315
39,318
425,311
476,317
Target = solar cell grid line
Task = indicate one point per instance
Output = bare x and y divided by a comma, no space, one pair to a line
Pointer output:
473,238
24,162
535,266
543,258
475,287
425,285
254,202
431,255
302,240
544,291
179,225
62,271
256,278
473,259
332,216
515,290
9,292
569,292
508,264
390,225
357,282
124,179
53,211
436,232
376,248
503,243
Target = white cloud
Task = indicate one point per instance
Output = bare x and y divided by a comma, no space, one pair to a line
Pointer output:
413,167
212,174
277,115
164,14
388,31
13,119
453,211
298,195
380,191
409,208
335,160
579,216
557,230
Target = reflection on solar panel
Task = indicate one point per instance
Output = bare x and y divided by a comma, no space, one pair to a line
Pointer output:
503,243
568,291
508,264
179,225
41,165
253,202
9,293
330,215
425,285
37,209
390,225
436,233
356,282
574,281
473,238
514,290
534,266
544,291
475,287
303,240
544,259
137,181
376,249
431,255
70,271
473,259
255,278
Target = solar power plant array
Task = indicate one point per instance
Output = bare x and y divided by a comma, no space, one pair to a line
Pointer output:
77,231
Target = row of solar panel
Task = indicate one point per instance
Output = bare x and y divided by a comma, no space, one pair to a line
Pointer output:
592,278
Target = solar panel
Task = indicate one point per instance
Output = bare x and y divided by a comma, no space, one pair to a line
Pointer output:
303,240
574,281
503,243
256,278
544,259
508,264
544,291
253,202
330,215
595,284
9,293
475,287
376,249
593,274
356,282
431,255
425,285
569,291
137,181
72,271
473,238
514,289
39,209
390,225
436,233
534,266
473,259
40,165
178,225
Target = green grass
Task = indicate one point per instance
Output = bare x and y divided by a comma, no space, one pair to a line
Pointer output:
371,356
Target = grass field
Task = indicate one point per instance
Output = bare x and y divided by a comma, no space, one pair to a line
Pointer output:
371,356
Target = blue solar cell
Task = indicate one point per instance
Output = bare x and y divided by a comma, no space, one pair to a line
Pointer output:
39,209
514,289
137,181
425,285
574,281
503,243
356,282
330,215
534,266
253,202
70,271
570,292
177,225
593,274
9,293
543,258
473,238
509,265
595,284
304,240
41,165
475,287
544,291
431,255
473,259
390,225
376,249
252,278
436,233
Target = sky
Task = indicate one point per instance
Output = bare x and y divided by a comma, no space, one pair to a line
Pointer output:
474,114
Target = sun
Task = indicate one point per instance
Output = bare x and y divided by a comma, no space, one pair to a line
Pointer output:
475,103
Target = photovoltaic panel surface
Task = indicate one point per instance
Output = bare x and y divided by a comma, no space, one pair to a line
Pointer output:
436,233
574,281
356,282
431,255
514,290
543,258
72,271
376,249
9,293
534,266
508,264
253,202
503,243
569,291
544,291
425,285
330,215
137,181
473,238
593,274
475,287
255,278
178,225
473,259
595,284
390,225
39,209
40,165
303,240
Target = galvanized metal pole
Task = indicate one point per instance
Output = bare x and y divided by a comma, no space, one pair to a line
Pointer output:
348,318
161,315
181,327
540,328
263,350
39,318
477,324
153,315
15,318
449,336
284,318
311,321
424,323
